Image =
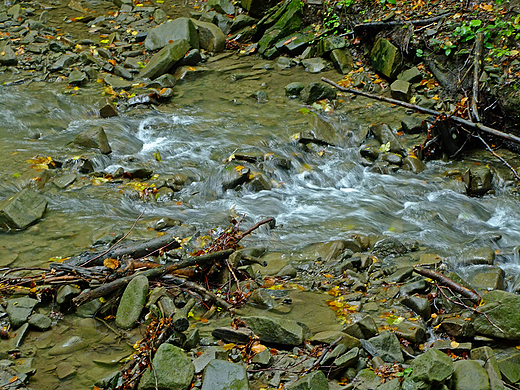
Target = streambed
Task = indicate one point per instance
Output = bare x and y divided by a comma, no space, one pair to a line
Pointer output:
320,195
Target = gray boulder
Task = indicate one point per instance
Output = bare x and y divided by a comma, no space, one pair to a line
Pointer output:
401,90
502,309
277,331
19,310
22,209
132,302
317,91
7,54
165,59
211,37
429,371
172,370
40,322
171,31
386,346
478,181
95,138
314,65
315,380
342,60
222,6
224,375
469,375
328,337
385,58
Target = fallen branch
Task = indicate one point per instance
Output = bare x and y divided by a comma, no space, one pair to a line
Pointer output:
460,121
476,75
117,284
396,23
134,250
445,281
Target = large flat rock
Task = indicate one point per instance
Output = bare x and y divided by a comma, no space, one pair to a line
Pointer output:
22,210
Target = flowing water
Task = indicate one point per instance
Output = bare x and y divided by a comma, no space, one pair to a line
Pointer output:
320,197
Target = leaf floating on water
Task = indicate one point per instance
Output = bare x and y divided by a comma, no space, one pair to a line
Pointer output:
157,156
111,263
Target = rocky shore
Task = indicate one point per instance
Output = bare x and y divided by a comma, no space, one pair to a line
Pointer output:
352,313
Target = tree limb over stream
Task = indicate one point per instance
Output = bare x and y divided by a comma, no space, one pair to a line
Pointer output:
460,121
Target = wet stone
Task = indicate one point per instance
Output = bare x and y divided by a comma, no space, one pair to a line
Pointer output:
172,370
487,278
210,354
469,375
385,345
317,91
19,310
347,359
22,210
429,370
77,77
476,256
262,298
64,370
413,164
315,65
419,305
315,380
412,75
400,90
411,124
509,364
107,111
224,375
385,57
172,31
66,293
94,137
361,326
40,322
64,181
263,358
72,344
19,335
211,37
232,335
7,54
328,337
487,355
276,331
342,60
414,332
132,302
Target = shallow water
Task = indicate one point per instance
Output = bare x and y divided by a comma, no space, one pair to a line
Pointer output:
322,197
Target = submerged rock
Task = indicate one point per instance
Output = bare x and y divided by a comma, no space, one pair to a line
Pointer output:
22,210
172,370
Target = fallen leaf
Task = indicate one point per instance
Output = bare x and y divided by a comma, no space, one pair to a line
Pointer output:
111,263
258,348
454,344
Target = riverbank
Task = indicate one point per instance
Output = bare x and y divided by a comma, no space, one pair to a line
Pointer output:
355,212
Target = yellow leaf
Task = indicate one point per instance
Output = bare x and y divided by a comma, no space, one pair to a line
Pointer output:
111,263
239,168
229,346
454,344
